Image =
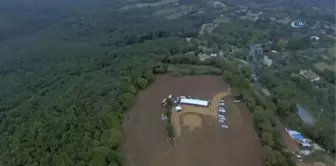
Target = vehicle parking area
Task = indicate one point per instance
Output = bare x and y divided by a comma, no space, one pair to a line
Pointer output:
218,129
215,109
202,140
218,105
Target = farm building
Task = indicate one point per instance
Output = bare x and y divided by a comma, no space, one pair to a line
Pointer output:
196,102
310,75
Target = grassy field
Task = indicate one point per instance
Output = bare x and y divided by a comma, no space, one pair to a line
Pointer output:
154,4
176,15
180,70
222,19
324,66
331,51
173,12
165,12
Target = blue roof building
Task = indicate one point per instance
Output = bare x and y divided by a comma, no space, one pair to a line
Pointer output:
298,137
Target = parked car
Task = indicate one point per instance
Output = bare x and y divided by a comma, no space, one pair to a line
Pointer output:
221,104
299,157
225,126
222,111
221,108
222,117
164,117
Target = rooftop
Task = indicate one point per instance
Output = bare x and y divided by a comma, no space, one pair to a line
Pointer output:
310,75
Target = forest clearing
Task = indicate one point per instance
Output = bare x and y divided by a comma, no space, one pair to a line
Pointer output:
201,141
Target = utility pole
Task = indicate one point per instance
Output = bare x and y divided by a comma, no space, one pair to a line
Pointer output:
318,117
324,102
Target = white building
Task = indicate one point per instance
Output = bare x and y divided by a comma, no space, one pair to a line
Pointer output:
274,51
310,75
178,108
314,38
267,61
196,102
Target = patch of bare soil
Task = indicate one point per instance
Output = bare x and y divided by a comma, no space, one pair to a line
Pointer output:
146,141
290,143
212,110
301,164
192,121
313,164
189,110
318,164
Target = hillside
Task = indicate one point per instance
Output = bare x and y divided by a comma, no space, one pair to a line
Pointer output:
70,69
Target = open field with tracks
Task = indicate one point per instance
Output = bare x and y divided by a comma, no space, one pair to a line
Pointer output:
201,140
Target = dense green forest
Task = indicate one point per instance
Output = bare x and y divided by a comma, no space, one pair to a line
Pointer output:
69,69
289,92
287,89
67,78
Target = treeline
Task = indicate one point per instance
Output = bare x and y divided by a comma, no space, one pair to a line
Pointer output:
139,78
239,34
263,113
286,93
67,110
263,110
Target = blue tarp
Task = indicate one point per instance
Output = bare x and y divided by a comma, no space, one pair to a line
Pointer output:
298,137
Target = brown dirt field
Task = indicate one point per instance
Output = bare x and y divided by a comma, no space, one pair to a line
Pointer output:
290,143
146,142
187,109
192,121
319,164
301,164
314,164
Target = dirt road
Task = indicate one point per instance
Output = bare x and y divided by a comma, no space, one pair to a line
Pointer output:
146,143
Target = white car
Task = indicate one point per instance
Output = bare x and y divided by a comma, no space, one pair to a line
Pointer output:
221,110
221,120
221,104
225,126
221,101
164,117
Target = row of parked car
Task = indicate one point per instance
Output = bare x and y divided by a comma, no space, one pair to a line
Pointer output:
221,114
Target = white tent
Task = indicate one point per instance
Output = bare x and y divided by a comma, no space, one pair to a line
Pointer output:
178,108
194,102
